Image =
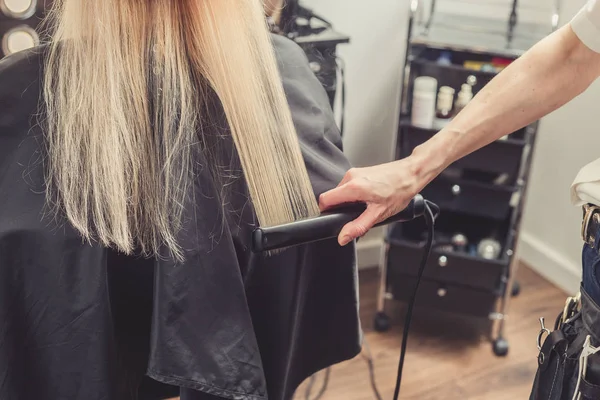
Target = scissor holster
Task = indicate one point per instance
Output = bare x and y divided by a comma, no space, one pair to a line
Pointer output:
568,366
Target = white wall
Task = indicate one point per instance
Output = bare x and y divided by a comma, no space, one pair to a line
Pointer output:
373,69
567,139
374,61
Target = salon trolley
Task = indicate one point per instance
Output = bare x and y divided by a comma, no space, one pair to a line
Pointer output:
474,261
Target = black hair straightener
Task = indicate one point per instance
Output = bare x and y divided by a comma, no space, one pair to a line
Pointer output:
326,226
329,225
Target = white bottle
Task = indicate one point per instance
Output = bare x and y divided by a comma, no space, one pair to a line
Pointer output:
423,104
445,104
464,97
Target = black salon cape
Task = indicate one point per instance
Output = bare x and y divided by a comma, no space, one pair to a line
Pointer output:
82,322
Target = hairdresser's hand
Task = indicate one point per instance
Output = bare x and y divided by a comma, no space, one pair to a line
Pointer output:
386,189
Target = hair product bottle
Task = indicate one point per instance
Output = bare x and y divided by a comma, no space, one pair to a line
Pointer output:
423,104
463,98
445,104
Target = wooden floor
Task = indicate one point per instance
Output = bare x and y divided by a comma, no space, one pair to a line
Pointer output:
446,360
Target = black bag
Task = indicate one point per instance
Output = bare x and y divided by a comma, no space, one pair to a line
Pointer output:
567,361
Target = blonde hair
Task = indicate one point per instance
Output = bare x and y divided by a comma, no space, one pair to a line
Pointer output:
124,89
273,9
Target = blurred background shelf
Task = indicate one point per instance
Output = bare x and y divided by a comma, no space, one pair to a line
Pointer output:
478,35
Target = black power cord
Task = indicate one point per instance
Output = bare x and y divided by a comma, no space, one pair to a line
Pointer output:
431,213
296,21
311,383
369,359
308,14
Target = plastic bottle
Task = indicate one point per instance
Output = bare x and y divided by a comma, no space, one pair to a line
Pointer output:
423,104
464,97
444,107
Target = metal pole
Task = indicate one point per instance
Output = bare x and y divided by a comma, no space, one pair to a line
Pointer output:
556,14
512,21
524,171
430,19
382,292
414,6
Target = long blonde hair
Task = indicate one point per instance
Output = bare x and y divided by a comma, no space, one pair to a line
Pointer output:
124,88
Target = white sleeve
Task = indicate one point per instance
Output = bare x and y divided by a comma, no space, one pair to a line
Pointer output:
586,25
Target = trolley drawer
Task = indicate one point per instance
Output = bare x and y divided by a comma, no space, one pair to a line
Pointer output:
444,297
470,197
501,156
406,247
449,267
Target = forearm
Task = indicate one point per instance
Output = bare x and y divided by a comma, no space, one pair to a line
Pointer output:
552,73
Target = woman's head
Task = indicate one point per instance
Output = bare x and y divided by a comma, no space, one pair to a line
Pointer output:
125,85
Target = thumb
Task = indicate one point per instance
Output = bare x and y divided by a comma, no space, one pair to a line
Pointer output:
360,226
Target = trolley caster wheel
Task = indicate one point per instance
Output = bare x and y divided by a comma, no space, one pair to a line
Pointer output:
516,289
382,322
501,347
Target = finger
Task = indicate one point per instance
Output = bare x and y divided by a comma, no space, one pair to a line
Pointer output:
346,193
360,226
